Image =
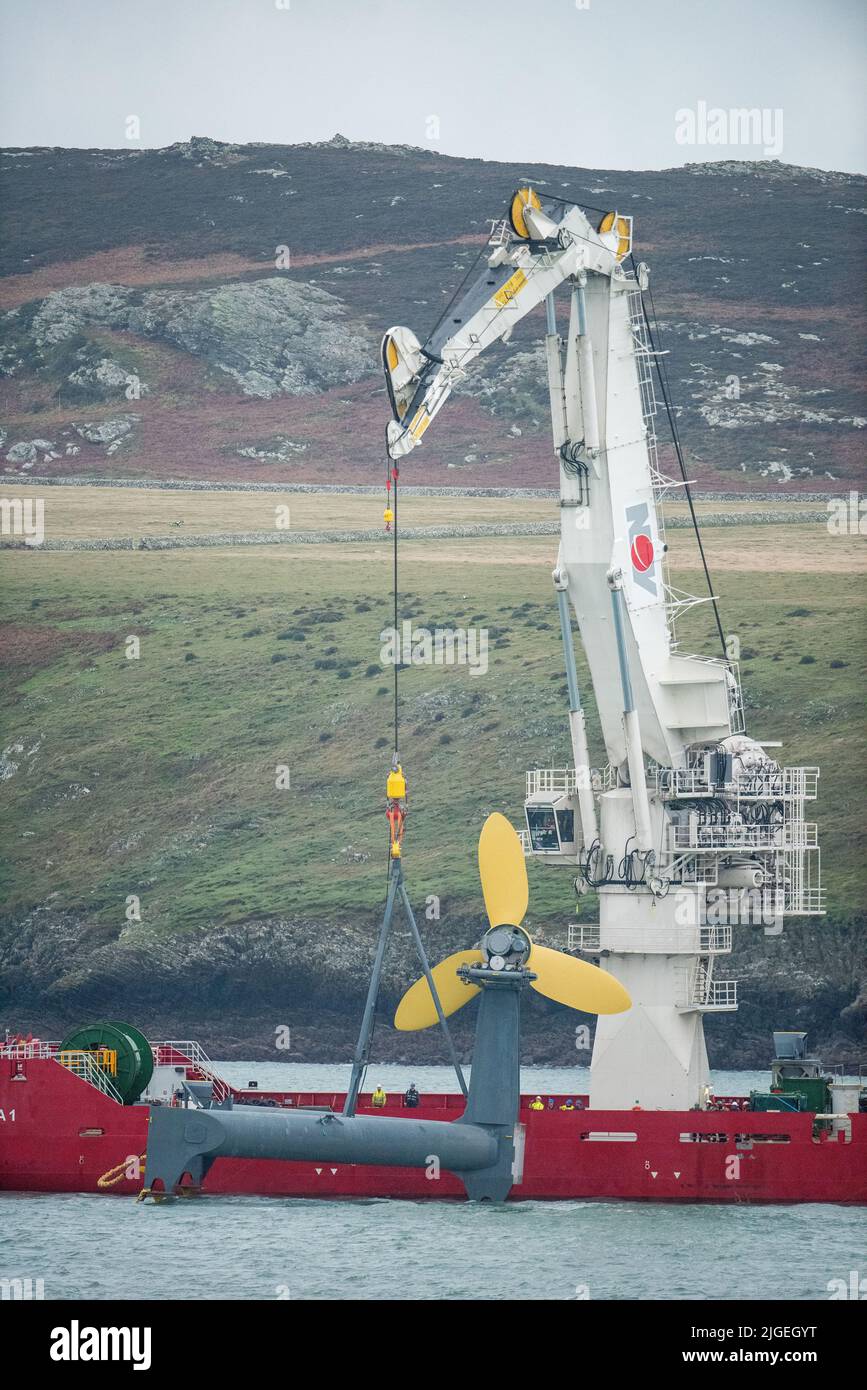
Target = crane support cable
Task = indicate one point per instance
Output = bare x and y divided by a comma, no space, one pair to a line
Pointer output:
395,473
395,788
662,374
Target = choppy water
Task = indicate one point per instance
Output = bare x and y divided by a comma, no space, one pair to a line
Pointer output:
270,1248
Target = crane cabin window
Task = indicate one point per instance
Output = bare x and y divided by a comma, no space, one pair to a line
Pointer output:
542,825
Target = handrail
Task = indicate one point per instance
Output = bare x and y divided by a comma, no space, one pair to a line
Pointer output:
84,1065
41,1051
193,1053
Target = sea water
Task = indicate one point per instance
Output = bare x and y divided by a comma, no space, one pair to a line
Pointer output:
279,1248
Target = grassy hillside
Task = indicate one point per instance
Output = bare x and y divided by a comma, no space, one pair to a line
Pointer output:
155,777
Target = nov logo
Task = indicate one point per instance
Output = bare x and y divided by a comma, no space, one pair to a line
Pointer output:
642,551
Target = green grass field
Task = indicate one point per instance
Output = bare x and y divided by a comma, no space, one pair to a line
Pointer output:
156,776
87,512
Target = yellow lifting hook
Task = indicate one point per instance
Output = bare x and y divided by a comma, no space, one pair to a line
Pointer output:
395,810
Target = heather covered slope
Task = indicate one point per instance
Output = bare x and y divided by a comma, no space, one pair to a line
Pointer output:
213,311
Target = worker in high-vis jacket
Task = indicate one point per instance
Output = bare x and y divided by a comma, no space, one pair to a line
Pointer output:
537,1104
378,1098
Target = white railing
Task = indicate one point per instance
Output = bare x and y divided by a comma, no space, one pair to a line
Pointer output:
800,834
560,780
779,784
563,780
84,1065
674,941
715,941
737,712
681,781
784,783
805,902
643,356
198,1059
81,1063
689,868
583,937
708,994
43,1051
722,994
793,834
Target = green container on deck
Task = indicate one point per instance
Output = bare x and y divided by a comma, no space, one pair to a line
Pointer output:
813,1089
767,1101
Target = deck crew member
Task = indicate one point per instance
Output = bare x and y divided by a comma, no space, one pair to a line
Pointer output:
410,1098
378,1098
537,1104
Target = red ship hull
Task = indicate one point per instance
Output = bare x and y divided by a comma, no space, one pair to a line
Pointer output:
60,1134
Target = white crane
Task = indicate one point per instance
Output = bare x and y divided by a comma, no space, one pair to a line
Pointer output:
690,813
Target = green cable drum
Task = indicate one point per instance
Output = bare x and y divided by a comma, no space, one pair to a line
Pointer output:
135,1062
144,1048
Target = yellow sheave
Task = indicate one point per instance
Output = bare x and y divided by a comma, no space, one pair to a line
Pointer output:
576,983
416,1009
503,872
524,198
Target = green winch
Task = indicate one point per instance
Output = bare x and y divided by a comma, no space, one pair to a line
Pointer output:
118,1050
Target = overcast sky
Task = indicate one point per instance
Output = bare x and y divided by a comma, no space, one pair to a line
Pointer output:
594,83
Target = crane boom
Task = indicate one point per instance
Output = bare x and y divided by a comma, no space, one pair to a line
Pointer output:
612,549
519,275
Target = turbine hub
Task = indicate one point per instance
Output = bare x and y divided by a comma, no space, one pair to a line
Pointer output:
506,948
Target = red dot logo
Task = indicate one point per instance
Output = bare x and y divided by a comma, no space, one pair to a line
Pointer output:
642,553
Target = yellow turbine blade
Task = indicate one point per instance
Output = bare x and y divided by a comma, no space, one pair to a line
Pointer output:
417,1010
576,983
503,872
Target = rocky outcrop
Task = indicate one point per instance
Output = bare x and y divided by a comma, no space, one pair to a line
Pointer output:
26,452
105,379
107,431
514,388
769,169
272,336
340,142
